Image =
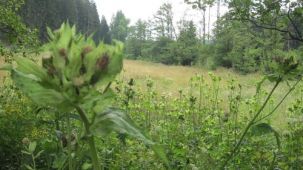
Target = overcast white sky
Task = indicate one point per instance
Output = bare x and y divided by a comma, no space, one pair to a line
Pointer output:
145,9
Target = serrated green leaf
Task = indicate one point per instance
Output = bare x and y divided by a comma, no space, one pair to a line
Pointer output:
26,66
50,33
118,121
30,85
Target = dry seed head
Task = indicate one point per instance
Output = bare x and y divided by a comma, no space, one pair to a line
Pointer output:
25,141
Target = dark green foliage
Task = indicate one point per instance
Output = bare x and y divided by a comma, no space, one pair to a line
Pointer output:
137,40
183,51
187,45
119,26
12,29
104,31
51,13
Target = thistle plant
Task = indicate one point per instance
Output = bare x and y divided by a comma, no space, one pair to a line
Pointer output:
75,75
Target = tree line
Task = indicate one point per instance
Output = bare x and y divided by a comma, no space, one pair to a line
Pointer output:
250,37
38,14
28,19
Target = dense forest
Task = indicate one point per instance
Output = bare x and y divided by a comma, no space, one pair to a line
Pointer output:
30,17
52,13
81,92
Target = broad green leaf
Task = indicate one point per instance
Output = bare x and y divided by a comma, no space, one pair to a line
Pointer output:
264,128
31,86
117,121
26,66
32,147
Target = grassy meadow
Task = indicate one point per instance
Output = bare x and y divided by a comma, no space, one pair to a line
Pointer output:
170,79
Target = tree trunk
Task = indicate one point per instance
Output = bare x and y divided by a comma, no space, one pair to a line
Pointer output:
208,36
204,25
218,9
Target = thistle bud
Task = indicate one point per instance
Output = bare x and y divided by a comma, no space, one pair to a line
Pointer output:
131,82
85,51
62,52
101,65
47,63
225,117
103,62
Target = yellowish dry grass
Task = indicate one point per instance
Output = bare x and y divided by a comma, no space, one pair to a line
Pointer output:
172,78
168,79
2,73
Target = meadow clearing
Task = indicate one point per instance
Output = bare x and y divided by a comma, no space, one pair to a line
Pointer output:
170,79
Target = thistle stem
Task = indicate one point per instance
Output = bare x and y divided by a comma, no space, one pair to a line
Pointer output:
70,166
91,141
